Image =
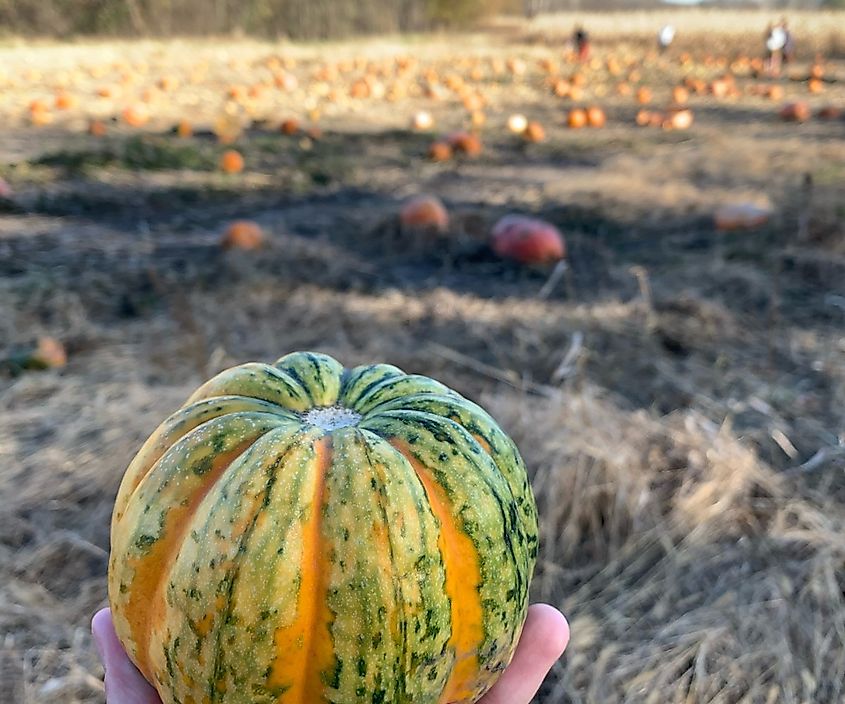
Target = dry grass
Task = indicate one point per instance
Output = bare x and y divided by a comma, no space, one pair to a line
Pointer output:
680,405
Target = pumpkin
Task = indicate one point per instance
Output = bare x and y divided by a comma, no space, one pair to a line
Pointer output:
136,115
576,118
301,532
795,112
231,162
644,95
290,126
596,116
740,216
184,129
527,240
242,234
97,128
829,112
643,117
65,101
534,132
464,143
440,151
424,212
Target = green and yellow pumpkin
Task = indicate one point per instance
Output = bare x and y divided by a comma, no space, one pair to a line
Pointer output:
300,533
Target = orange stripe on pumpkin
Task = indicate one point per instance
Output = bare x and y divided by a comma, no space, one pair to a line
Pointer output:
463,579
304,648
144,605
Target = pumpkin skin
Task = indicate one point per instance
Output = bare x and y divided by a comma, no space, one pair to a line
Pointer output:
299,532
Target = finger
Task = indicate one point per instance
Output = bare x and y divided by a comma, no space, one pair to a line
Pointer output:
124,684
543,640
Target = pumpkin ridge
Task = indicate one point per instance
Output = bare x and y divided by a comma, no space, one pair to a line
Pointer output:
232,574
255,380
381,373
172,537
380,470
311,592
467,623
178,425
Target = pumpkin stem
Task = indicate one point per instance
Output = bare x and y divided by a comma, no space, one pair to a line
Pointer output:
331,417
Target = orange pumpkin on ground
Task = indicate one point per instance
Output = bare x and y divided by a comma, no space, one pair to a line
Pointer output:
232,162
527,240
829,112
289,126
534,132
97,128
242,234
643,117
740,216
424,212
576,118
465,143
184,129
798,111
596,116
136,115
644,95
440,151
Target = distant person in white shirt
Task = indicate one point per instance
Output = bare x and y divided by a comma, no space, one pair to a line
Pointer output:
776,38
665,37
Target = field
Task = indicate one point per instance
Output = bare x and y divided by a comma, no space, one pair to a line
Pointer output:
678,395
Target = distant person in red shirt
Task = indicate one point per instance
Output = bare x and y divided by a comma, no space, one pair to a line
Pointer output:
582,43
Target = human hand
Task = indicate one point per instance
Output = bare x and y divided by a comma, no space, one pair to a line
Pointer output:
543,640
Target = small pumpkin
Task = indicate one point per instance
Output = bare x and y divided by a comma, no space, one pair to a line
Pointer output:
829,112
576,118
136,115
301,532
534,132
424,212
798,111
97,128
184,129
527,240
231,162
740,216
289,126
596,116
440,151
465,143
242,234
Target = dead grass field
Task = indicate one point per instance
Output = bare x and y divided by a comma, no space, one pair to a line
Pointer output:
680,403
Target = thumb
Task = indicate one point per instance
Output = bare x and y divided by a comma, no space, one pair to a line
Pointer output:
124,684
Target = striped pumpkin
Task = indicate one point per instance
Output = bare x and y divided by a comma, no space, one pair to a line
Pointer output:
300,533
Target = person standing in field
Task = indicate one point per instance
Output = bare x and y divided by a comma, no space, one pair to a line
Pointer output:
775,42
665,37
582,43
